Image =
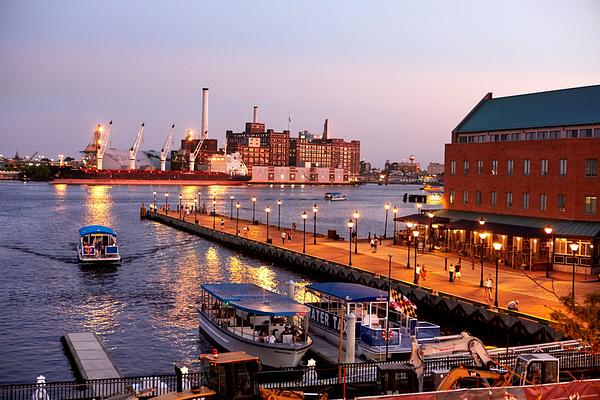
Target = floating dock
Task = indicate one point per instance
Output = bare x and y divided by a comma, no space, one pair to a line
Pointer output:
90,357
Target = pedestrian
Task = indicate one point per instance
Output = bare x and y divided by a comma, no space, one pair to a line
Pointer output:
283,235
247,230
222,223
423,273
417,274
293,227
375,243
451,273
457,271
513,305
488,287
372,246
289,236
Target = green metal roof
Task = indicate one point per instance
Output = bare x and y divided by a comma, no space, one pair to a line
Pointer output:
576,106
562,228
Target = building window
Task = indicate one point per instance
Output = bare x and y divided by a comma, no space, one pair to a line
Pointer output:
504,137
585,133
509,167
462,139
466,167
508,199
494,167
563,167
515,136
597,133
562,201
452,194
591,167
479,167
525,201
465,197
453,167
543,203
571,133
478,198
493,199
554,135
526,167
530,136
590,205
544,167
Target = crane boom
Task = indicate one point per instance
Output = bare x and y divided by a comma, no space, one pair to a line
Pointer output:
463,343
102,145
194,154
165,149
136,147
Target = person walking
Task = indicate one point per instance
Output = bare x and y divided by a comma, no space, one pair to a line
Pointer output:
222,223
457,271
283,235
417,274
423,273
451,273
487,285
289,235
375,243
372,245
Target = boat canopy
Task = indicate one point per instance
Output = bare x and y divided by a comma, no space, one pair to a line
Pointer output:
333,193
255,300
349,291
87,230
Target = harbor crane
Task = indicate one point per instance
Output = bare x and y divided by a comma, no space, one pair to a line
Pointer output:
195,153
165,150
102,144
136,147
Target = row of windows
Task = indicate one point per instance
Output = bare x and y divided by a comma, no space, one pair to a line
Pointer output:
538,135
589,201
591,167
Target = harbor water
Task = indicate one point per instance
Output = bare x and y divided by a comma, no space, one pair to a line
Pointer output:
145,309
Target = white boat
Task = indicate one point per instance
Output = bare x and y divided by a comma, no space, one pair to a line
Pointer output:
373,317
245,317
98,244
335,196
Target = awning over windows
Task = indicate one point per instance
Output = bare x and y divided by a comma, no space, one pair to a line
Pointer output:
422,219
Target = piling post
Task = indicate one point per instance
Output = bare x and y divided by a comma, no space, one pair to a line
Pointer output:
291,289
350,338
143,214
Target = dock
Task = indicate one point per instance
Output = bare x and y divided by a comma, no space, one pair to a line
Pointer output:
90,358
328,352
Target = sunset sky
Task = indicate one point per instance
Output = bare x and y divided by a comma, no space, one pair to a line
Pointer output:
397,75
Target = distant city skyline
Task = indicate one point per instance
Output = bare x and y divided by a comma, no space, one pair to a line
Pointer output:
396,76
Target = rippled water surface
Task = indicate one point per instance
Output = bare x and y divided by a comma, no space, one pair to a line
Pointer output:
145,309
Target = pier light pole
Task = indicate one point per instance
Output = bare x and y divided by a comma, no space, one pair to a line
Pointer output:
315,211
166,203
416,235
387,209
350,226
409,225
574,247
387,325
304,216
180,208
279,214
419,205
154,194
482,236
214,213
253,209
267,210
356,216
237,218
395,212
199,197
196,210
497,247
430,215
231,207
548,229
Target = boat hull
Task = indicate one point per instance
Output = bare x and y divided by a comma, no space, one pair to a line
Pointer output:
278,355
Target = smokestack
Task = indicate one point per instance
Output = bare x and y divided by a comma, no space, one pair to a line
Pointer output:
255,117
325,129
204,111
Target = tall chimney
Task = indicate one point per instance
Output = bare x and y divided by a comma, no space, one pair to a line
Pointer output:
255,117
325,129
204,111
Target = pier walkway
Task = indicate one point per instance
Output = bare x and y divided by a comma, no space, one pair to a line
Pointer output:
90,358
537,295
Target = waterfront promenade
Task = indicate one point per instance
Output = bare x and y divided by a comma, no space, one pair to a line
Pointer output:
532,289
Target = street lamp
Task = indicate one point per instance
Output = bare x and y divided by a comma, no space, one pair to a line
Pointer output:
231,207
199,197
214,213
387,209
154,194
253,209
196,210
237,218
481,221
350,226
180,208
415,277
497,247
409,225
268,210
304,216
419,205
430,215
315,211
482,236
574,247
166,203
279,214
395,211
356,216
548,229
387,324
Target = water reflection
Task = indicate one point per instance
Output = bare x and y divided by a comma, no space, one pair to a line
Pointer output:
98,206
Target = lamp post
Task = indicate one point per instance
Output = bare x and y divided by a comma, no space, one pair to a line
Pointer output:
419,205
482,236
395,212
154,195
166,203
237,218
315,211
214,212
180,208
356,216
231,207
430,215
253,209
199,197
268,210
350,226
574,247
279,214
387,209
548,229
387,325
497,247
196,210
304,216
409,225
416,235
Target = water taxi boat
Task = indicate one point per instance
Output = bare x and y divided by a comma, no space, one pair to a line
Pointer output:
98,244
246,317
373,315
335,196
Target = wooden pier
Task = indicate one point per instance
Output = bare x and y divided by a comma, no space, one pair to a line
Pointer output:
90,357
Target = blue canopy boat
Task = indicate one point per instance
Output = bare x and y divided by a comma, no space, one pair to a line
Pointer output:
373,316
246,317
98,244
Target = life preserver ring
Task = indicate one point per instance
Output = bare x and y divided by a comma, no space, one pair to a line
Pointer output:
384,335
87,250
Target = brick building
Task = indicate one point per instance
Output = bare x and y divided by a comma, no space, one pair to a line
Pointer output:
520,164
